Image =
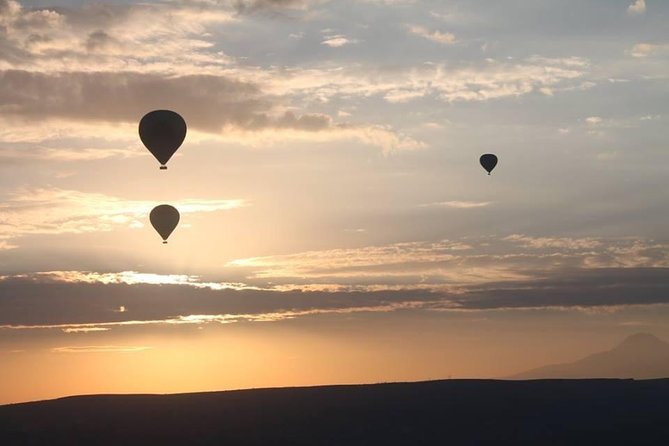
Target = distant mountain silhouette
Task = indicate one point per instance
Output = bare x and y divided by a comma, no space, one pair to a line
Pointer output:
640,356
452,412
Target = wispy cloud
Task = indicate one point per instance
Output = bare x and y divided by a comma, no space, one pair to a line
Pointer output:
147,37
444,38
447,264
158,37
476,82
457,204
84,329
259,5
5,245
337,41
645,49
59,211
380,136
204,319
100,349
555,242
134,278
637,7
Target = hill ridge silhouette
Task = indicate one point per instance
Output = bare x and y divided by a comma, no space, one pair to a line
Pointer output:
460,412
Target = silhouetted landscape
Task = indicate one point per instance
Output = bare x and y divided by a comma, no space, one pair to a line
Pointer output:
535,411
462,412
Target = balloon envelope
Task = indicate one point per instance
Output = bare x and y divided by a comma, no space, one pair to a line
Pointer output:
162,132
488,161
164,219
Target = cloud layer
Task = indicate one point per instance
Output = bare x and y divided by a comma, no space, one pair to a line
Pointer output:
57,211
113,63
89,307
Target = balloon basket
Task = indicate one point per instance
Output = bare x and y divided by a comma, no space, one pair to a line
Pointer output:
163,167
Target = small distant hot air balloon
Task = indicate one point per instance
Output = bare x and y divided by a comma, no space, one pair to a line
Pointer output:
164,219
162,132
488,161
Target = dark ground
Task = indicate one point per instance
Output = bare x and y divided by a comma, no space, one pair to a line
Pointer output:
453,412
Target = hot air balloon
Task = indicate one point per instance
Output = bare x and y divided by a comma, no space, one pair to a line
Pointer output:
488,161
162,132
164,219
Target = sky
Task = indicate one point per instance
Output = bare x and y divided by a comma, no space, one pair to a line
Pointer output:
336,225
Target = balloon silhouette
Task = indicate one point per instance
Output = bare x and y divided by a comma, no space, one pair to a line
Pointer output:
162,132
164,219
488,161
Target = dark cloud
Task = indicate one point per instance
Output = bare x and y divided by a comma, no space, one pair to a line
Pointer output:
99,40
575,288
27,301
30,302
207,102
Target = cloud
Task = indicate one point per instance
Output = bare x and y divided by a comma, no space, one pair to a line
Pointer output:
641,50
74,307
554,242
458,204
36,301
337,41
5,245
85,329
448,264
435,36
206,102
383,137
401,260
514,272
471,83
11,154
164,36
110,64
637,7
210,104
203,319
255,5
100,349
105,37
599,288
59,211
135,278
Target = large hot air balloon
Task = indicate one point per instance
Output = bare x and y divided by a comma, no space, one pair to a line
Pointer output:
164,219
488,161
162,132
